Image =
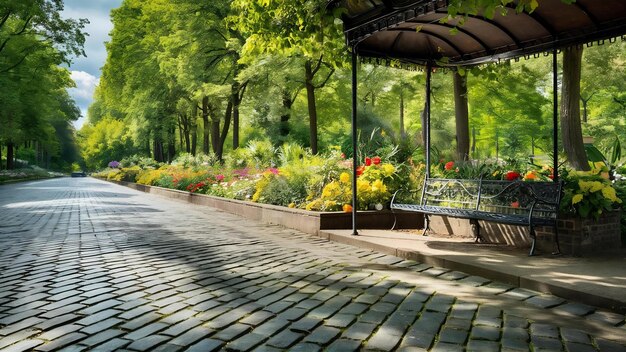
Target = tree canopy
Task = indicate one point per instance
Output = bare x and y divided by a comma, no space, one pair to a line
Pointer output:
36,109
184,76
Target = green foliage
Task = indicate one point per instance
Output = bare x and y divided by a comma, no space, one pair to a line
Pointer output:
105,141
187,160
588,194
35,40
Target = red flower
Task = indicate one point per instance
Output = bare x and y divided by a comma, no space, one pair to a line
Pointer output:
515,204
368,161
512,176
376,160
449,165
359,170
343,156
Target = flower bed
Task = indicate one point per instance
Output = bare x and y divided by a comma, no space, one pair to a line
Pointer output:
291,177
306,221
301,180
27,174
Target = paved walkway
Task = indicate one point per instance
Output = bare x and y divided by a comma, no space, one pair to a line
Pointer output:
598,280
86,264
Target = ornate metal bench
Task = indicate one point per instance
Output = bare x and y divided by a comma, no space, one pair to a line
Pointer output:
508,202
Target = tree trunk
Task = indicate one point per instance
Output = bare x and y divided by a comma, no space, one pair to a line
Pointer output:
214,128
180,131
462,116
585,104
236,123
194,130
283,128
235,88
570,109
474,141
158,150
402,134
497,146
206,125
171,145
0,156
10,156
310,95
227,118
186,135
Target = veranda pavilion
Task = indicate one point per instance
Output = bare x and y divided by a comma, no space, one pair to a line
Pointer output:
413,32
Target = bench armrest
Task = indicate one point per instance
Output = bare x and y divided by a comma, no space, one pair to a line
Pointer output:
403,190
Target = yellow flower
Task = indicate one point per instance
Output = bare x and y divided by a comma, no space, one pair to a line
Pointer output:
292,205
596,186
329,204
388,169
344,177
584,186
609,193
577,198
378,186
362,186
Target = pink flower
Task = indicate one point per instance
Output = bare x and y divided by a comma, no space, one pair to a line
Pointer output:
219,177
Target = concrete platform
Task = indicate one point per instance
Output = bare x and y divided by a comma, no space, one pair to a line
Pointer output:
598,281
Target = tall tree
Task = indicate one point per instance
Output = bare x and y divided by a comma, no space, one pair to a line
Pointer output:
570,109
461,115
302,29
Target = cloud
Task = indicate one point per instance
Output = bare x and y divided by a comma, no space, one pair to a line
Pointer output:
83,92
85,71
85,84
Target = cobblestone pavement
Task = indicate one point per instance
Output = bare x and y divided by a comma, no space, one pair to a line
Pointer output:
87,265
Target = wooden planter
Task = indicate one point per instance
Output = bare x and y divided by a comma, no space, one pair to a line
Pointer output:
306,221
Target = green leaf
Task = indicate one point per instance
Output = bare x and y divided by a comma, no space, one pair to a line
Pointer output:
593,154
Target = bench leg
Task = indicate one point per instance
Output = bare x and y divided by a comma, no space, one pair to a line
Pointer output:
476,230
426,225
395,219
533,238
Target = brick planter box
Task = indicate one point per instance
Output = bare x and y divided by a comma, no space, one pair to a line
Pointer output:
577,237
306,221
583,237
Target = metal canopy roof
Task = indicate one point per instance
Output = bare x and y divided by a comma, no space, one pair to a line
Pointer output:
412,31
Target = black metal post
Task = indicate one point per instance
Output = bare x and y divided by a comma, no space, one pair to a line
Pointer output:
429,70
354,141
555,116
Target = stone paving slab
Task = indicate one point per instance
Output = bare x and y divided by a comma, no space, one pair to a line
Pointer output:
88,265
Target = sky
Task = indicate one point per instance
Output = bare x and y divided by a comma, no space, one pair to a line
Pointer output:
85,71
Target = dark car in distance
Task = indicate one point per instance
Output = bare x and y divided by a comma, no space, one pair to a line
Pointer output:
79,174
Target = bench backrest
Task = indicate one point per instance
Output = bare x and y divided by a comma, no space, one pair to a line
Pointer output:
539,199
451,193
